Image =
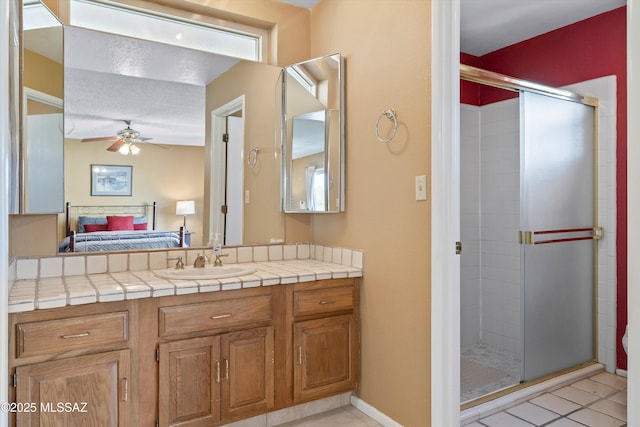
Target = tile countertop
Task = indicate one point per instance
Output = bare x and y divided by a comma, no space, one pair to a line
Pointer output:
52,292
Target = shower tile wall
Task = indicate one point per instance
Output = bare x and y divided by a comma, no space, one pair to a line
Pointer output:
490,187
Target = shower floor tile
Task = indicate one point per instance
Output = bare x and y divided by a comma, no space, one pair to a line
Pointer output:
484,370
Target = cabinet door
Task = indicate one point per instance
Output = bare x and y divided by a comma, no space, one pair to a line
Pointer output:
247,386
324,352
188,393
80,391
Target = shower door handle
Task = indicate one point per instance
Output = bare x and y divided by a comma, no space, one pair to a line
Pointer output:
560,235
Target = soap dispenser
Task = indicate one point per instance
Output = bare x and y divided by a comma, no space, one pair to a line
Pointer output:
217,244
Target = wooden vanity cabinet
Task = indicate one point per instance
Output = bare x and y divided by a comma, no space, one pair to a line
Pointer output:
204,359
225,374
72,366
325,338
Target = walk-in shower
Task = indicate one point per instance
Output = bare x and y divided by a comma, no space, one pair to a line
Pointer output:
529,229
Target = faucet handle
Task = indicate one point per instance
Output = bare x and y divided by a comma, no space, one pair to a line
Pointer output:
218,261
179,262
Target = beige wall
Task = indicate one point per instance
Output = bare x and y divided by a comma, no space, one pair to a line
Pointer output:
259,83
43,74
387,66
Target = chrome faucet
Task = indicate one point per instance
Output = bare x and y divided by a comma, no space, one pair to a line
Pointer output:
201,261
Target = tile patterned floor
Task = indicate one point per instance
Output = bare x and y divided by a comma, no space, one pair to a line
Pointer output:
346,416
597,401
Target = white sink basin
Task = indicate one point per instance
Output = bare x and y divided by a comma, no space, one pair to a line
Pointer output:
208,272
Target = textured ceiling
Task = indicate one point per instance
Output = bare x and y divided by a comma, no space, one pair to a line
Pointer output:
488,25
111,78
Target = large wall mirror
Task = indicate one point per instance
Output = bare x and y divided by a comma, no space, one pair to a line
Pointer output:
42,148
313,137
165,96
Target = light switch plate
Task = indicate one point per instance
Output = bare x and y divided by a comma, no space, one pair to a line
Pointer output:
421,187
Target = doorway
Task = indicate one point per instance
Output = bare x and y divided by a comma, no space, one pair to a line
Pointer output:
445,216
530,231
227,172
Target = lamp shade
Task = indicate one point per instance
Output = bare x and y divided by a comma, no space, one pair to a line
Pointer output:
185,207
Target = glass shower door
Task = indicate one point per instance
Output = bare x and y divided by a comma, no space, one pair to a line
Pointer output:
559,234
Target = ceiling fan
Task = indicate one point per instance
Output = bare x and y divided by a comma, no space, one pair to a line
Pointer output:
124,141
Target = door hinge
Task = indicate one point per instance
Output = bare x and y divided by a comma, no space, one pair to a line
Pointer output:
157,423
157,355
225,137
458,248
15,380
224,209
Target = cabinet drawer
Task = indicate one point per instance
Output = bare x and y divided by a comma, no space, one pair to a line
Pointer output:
74,333
214,315
322,301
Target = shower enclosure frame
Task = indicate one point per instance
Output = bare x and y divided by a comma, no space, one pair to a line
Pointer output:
526,238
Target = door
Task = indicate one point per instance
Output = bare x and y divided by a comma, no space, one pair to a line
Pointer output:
247,373
560,233
80,391
189,378
234,182
324,352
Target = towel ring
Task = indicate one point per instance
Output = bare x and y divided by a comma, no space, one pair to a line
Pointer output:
252,158
391,115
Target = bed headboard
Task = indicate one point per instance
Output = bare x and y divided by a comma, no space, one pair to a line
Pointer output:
73,212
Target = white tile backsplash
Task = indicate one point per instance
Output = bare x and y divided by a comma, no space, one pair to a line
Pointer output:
275,253
261,254
96,264
50,267
27,269
138,261
74,266
118,262
245,254
141,262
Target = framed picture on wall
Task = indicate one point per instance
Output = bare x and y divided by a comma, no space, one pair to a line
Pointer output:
109,180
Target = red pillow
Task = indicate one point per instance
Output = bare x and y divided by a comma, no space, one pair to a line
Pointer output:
92,228
140,226
115,223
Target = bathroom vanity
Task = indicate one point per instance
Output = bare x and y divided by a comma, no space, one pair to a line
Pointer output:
232,349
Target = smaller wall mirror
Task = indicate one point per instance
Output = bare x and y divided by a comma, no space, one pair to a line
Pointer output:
42,160
313,136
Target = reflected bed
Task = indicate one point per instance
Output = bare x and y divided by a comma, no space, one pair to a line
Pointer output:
116,228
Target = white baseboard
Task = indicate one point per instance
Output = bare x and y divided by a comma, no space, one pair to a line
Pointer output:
372,412
621,372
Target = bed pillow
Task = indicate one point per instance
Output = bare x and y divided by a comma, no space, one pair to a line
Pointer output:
139,225
116,223
140,220
82,220
92,228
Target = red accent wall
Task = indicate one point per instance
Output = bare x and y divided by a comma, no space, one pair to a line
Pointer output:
595,47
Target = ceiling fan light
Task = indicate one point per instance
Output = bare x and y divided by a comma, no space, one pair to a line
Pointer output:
124,150
134,149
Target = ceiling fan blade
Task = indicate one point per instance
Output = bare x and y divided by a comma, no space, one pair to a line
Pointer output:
116,145
101,138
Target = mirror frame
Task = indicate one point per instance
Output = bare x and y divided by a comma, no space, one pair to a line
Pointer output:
334,151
